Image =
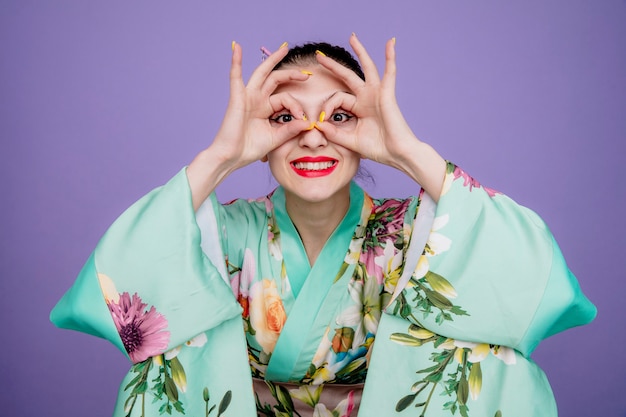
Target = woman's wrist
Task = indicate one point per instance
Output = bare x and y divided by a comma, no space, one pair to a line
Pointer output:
424,165
207,170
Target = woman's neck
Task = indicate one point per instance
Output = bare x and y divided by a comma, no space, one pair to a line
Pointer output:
315,222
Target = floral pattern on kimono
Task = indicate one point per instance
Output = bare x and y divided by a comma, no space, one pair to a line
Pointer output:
171,289
376,251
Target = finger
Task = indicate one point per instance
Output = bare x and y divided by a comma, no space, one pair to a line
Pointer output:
290,130
236,80
345,74
340,100
338,136
286,101
286,132
279,77
265,68
369,67
389,77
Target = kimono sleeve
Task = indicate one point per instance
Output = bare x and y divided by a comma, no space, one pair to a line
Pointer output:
499,269
149,286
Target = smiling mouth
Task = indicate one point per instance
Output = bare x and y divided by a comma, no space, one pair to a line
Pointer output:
313,166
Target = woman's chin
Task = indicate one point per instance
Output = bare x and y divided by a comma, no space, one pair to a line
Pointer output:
315,192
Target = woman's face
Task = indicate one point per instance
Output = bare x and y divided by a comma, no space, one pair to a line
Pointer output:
309,166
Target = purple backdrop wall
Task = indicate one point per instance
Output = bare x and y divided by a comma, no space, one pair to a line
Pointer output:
101,102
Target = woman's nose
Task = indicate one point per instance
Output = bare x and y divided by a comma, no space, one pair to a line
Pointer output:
312,138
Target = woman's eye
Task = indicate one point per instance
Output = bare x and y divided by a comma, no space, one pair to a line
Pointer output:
282,118
341,117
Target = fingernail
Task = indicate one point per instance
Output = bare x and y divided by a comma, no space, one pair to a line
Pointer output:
284,44
320,52
353,34
232,45
306,72
265,51
393,40
304,117
317,127
310,127
322,115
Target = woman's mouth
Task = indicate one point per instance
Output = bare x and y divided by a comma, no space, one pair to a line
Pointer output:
314,166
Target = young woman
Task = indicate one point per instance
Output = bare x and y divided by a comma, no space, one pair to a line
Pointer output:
318,300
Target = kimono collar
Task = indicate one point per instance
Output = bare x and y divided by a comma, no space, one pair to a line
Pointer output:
333,252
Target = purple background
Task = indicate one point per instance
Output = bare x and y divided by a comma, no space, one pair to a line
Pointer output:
99,103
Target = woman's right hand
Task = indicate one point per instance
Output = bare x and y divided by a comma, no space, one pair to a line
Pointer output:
246,134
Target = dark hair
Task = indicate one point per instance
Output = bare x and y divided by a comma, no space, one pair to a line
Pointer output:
306,53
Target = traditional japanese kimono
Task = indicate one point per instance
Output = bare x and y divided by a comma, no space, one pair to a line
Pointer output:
412,308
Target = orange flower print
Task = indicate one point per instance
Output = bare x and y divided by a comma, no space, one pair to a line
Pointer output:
243,301
342,341
267,314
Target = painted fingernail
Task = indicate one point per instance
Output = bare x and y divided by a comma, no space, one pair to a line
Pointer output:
322,115
306,72
232,45
304,117
310,127
393,40
317,127
284,44
320,52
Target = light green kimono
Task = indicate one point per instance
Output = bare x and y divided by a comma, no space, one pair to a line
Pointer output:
411,308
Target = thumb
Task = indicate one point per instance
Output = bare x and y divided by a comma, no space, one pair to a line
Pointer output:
338,136
290,130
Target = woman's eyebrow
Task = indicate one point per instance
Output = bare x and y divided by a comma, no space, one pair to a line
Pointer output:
329,97
333,95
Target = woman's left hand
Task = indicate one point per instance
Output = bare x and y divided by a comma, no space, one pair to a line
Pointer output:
381,133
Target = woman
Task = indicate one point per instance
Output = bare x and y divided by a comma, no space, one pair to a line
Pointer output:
455,286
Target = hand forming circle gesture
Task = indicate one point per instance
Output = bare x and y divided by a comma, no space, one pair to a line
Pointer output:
246,134
382,133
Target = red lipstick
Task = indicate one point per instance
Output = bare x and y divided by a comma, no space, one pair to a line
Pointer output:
314,166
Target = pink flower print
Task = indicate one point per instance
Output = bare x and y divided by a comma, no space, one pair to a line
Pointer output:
471,182
234,283
368,258
490,191
240,282
343,409
346,409
387,221
386,224
269,206
141,331
265,200
394,214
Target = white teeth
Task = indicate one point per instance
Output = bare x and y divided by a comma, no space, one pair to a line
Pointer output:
314,166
